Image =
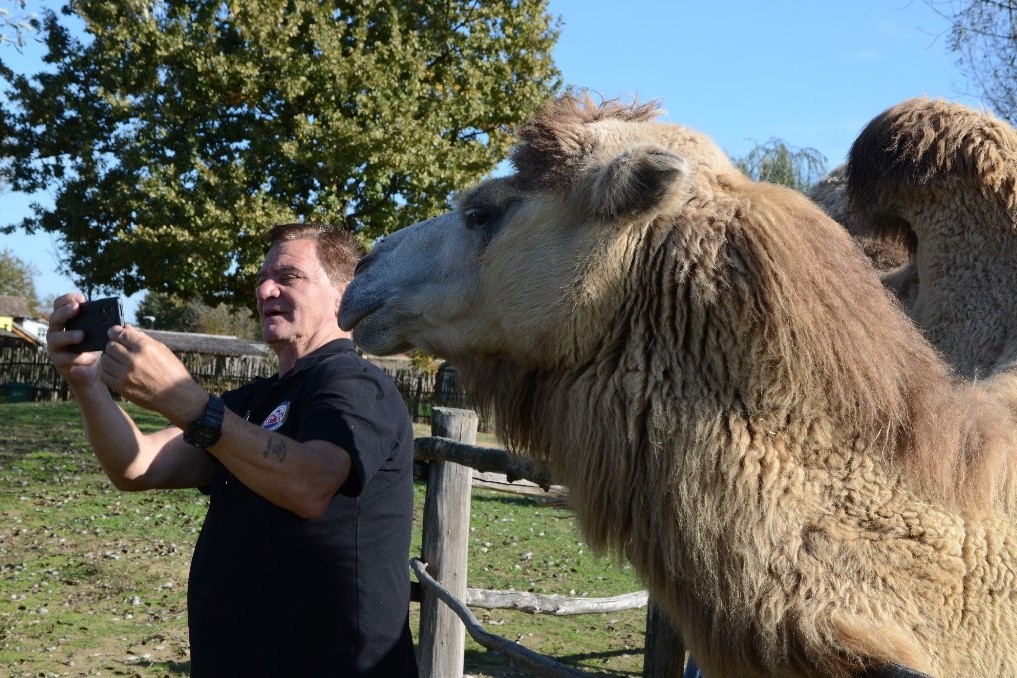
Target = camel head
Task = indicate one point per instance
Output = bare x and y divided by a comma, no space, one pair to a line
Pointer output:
616,233
529,267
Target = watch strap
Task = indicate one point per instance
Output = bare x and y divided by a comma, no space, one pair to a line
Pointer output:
206,430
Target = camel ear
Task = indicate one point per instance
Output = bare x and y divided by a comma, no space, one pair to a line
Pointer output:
643,180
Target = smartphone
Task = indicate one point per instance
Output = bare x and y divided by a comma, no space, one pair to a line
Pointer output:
95,318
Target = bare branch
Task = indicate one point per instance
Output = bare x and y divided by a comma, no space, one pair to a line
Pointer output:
537,663
559,606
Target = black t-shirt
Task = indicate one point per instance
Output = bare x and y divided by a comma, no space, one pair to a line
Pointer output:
274,594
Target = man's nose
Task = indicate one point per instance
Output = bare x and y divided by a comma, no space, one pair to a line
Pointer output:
267,289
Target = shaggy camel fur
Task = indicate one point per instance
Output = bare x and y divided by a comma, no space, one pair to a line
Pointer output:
735,402
831,192
937,182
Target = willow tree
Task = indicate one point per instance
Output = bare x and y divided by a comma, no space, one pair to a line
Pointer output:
780,163
173,133
15,25
983,36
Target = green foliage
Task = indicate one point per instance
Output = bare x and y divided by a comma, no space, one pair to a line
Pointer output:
983,35
176,132
778,163
17,278
423,362
162,311
224,319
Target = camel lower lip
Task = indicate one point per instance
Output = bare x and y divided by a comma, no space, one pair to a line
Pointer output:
350,319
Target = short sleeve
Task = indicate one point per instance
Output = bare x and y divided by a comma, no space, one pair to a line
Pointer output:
360,410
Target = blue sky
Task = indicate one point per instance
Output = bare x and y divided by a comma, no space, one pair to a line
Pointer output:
811,72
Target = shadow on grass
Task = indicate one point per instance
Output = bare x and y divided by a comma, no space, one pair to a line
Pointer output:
487,663
496,665
169,667
492,497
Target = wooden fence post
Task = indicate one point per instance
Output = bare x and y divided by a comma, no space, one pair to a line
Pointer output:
446,532
664,654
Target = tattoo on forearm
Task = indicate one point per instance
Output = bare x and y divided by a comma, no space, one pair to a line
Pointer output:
276,448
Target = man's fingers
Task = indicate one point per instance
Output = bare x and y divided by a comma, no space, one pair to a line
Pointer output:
126,336
57,338
111,368
70,298
61,314
60,339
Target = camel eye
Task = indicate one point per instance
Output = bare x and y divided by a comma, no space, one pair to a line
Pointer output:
480,216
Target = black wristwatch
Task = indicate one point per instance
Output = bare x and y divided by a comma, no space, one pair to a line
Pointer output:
205,431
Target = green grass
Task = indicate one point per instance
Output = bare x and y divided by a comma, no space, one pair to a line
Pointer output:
93,580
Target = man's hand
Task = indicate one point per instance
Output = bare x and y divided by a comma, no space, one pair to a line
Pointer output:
147,373
79,369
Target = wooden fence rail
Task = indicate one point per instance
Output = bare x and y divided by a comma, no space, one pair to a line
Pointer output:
27,370
441,569
27,374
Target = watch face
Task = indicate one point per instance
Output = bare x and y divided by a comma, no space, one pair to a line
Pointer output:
206,431
203,436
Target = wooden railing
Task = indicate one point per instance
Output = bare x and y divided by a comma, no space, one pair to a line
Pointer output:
445,599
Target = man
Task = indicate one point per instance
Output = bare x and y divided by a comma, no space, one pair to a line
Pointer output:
301,565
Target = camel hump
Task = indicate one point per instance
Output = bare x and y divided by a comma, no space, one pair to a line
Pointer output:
922,149
937,182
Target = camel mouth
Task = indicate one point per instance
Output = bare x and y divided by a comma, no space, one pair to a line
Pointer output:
351,315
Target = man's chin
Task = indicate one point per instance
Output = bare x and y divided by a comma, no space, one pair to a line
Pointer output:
271,337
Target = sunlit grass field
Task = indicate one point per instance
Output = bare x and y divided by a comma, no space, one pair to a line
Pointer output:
93,580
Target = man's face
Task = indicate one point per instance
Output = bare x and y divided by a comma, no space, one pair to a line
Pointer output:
297,302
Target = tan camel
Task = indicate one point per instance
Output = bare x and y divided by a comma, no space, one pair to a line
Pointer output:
737,405
831,192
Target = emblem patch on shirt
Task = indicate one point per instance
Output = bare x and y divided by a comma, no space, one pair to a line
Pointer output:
278,416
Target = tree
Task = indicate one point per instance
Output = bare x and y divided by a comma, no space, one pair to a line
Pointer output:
983,35
778,163
174,133
163,311
423,362
223,319
17,278
14,26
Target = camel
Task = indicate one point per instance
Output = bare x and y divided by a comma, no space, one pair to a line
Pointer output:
737,405
887,255
930,189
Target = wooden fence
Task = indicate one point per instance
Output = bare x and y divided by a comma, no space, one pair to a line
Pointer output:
221,373
422,392
26,373
451,456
